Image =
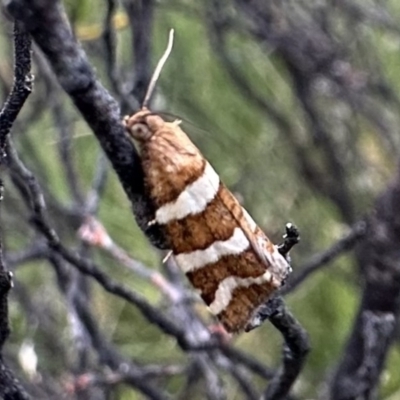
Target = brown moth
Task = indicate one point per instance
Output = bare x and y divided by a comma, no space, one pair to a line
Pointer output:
225,255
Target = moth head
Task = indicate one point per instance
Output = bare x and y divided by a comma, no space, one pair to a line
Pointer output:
143,125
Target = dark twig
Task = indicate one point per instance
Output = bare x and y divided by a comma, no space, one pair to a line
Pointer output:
203,363
10,388
128,101
110,45
245,384
108,355
39,220
377,329
113,378
140,15
295,350
232,360
22,86
321,260
94,233
249,362
36,251
63,126
339,190
65,147
358,373
98,184
303,158
291,238
187,339
45,21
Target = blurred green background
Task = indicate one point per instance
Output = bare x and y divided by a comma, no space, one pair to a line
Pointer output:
254,157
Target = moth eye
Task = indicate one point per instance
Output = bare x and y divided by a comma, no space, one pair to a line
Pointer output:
141,132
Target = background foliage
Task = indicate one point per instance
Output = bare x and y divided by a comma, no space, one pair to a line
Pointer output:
343,124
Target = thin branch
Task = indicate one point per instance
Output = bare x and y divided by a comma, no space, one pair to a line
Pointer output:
253,365
322,260
309,170
36,251
98,185
243,380
22,86
377,329
65,146
141,16
113,378
295,350
45,21
39,220
357,374
128,101
191,337
10,387
132,374
94,233
110,45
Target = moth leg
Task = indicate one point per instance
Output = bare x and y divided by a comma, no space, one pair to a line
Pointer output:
167,257
152,222
291,237
177,122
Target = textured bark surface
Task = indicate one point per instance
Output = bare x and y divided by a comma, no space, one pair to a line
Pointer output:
358,373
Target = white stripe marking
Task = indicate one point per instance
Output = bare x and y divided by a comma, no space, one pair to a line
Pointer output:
199,258
193,199
223,295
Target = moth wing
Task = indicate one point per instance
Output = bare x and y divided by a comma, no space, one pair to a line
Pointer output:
270,257
265,250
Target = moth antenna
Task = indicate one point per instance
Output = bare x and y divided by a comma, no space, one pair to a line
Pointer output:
158,69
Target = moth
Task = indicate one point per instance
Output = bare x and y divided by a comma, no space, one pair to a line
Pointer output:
225,255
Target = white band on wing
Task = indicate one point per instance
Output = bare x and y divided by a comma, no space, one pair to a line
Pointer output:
194,260
223,295
193,200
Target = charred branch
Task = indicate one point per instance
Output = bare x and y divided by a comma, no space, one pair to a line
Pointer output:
358,372
46,23
22,86
10,388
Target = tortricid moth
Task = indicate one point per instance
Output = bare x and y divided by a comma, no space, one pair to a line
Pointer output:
227,258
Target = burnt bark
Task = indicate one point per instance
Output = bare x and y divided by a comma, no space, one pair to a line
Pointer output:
10,388
358,373
46,22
